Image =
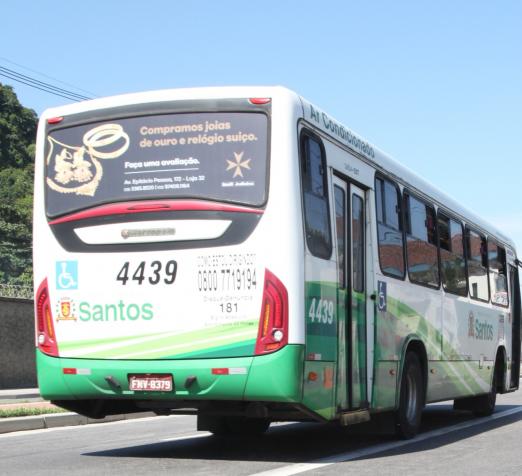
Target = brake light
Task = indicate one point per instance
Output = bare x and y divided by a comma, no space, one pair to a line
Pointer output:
46,337
273,320
54,120
259,101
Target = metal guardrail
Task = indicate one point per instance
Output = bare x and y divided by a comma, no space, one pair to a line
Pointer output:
16,291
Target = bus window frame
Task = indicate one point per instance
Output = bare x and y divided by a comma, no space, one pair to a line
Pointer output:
467,229
451,216
407,192
303,134
381,176
498,245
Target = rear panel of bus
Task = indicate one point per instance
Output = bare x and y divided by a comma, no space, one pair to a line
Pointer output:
161,272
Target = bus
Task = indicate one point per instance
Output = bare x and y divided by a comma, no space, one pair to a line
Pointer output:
239,254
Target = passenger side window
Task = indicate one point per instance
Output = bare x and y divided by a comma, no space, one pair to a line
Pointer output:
452,259
476,249
317,217
497,274
389,228
421,242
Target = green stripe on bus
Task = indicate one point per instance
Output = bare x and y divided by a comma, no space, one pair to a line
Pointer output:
159,345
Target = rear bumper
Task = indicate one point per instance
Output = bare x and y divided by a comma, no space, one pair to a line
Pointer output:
273,377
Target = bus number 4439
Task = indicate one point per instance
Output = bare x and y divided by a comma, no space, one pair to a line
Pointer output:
152,273
321,311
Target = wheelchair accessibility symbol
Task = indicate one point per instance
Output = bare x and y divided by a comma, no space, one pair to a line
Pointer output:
67,275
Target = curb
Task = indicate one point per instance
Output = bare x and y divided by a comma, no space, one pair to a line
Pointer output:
40,422
8,396
21,396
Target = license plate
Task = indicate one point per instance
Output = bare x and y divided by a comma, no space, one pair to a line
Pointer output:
150,383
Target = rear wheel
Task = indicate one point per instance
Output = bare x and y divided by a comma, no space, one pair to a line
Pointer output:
485,404
408,416
482,405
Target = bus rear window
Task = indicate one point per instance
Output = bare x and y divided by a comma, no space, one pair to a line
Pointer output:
213,156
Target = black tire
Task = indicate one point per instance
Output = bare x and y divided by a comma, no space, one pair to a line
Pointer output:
484,405
411,400
238,426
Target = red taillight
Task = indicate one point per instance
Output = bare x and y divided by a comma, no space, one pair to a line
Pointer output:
259,100
54,120
45,337
273,320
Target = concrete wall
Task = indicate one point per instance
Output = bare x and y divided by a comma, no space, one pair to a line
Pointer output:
17,353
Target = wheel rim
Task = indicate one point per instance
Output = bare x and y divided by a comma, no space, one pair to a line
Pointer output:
411,404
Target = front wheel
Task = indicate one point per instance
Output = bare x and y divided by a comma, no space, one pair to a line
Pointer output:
485,404
411,401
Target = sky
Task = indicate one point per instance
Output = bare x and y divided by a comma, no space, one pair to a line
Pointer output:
435,84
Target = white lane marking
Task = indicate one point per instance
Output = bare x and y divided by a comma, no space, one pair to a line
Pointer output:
199,434
298,468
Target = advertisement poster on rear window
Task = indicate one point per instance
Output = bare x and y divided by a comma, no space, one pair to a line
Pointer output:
214,156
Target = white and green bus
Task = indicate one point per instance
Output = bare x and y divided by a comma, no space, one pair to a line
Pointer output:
239,254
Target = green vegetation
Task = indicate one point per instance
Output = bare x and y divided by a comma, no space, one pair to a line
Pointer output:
17,146
29,411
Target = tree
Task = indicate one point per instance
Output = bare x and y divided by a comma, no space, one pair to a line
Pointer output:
17,146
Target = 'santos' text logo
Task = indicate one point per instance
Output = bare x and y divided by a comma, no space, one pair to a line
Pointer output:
480,330
117,312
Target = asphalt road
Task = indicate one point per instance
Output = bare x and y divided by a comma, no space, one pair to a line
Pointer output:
450,443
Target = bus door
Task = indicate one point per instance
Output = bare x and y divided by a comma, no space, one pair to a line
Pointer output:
351,237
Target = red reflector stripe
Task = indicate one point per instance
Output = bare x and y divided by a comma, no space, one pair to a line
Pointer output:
68,371
220,371
125,208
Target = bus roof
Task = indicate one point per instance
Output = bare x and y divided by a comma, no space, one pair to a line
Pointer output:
162,95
